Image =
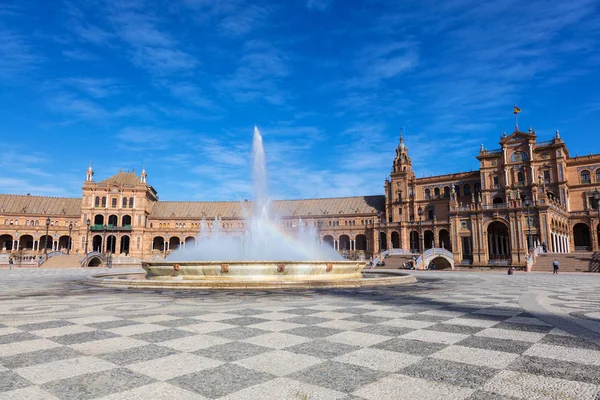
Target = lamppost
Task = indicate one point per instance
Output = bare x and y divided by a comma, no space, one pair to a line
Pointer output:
70,231
104,239
87,232
597,198
379,215
46,238
421,241
412,239
527,205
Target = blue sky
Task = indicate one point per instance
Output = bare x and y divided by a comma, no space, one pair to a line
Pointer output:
177,86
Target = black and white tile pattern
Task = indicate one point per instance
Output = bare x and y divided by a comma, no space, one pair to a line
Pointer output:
450,336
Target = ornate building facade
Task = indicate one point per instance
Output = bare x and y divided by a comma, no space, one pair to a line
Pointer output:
525,194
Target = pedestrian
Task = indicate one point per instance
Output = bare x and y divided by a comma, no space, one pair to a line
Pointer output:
10,262
544,247
510,270
555,265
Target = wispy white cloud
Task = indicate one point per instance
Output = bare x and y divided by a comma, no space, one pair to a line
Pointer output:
17,56
319,5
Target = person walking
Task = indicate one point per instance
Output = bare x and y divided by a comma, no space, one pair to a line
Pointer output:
555,265
10,262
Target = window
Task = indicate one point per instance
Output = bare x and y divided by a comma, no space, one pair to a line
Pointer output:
477,188
436,192
124,203
97,202
585,176
560,172
427,194
430,213
114,202
521,177
37,222
598,175
547,177
131,202
457,190
446,191
467,190
518,156
495,180
104,202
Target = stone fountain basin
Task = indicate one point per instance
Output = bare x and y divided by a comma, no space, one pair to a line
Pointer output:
253,270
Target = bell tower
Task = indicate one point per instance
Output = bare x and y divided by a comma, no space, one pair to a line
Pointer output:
89,174
397,188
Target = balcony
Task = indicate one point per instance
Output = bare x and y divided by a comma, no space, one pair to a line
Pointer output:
110,228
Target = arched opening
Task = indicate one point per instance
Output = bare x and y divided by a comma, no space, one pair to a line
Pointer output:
26,242
439,263
467,190
131,202
427,194
585,177
126,220
97,201
445,243
6,243
104,202
111,244
158,243
428,240
415,246
382,241
521,177
174,243
395,240
328,239
436,192
498,241
457,190
63,242
124,202
113,220
344,242
361,242
95,262
124,248
97,243
498,200
190,241
598,175
581,237
446,192
99,220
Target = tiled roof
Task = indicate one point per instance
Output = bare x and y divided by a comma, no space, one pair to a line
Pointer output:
17,204
122,178
281,208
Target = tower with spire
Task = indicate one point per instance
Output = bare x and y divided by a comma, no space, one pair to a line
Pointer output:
89,174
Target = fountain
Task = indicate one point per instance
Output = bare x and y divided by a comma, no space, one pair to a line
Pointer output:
265,257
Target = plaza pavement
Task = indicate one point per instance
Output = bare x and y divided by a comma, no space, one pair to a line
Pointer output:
453,335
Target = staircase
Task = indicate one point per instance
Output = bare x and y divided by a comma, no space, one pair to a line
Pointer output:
571,262
70,261
395,262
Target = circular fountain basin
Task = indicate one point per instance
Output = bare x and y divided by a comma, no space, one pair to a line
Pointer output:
249,275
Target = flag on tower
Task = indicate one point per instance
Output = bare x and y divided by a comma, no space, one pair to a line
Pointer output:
516,110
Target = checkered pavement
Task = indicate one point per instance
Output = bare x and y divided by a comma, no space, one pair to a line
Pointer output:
459,344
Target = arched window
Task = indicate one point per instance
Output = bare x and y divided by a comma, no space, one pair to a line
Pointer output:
457,190
427,194
598,175
27,223
585,176
104,202
6,222
97,201
436,192
518,156
477,188
37,222
521,177
131,202
124,203
467,189
446,191
114,202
